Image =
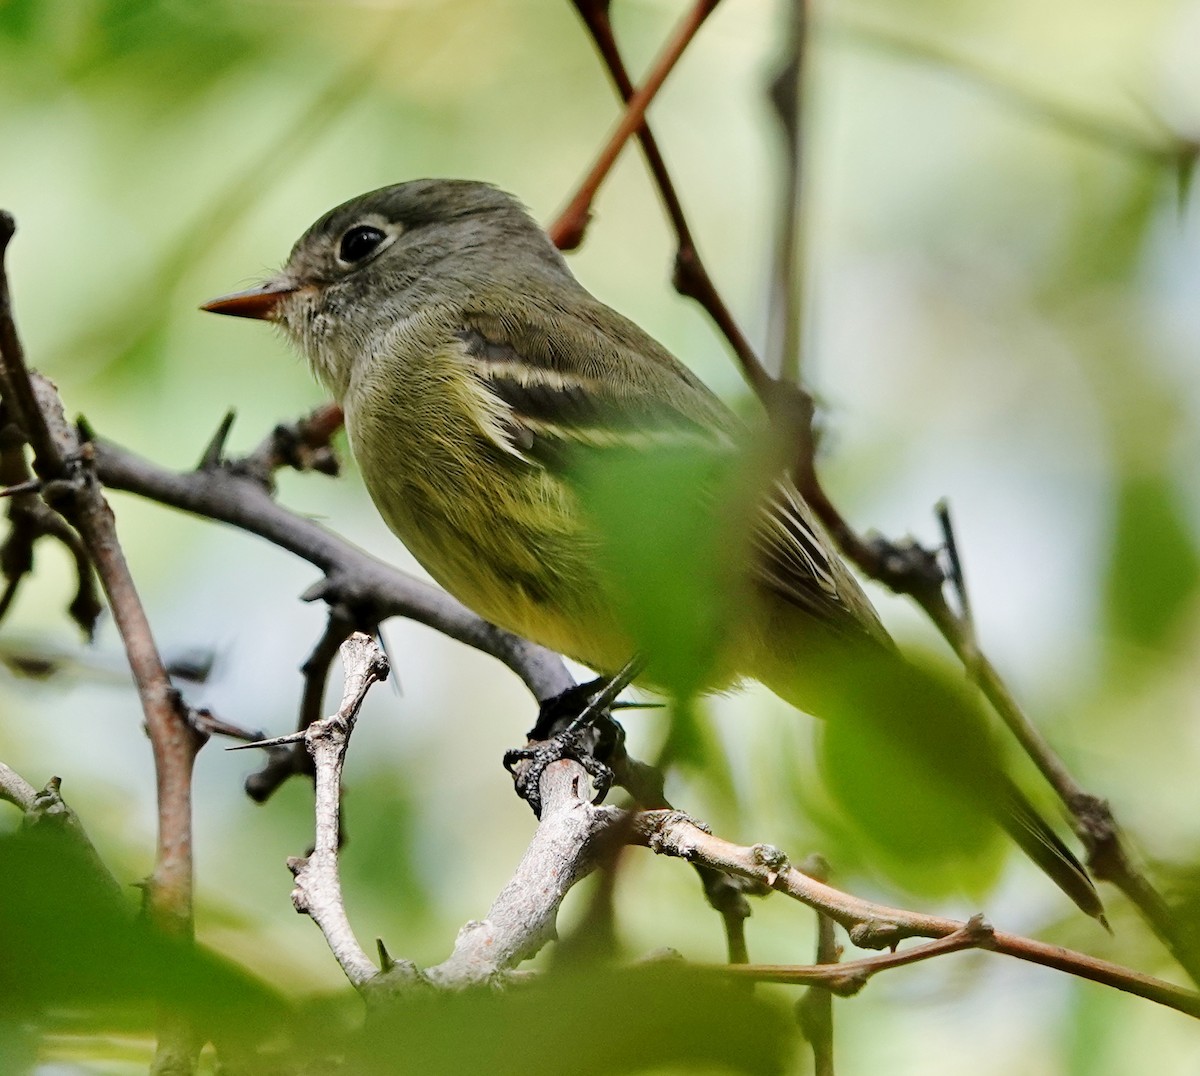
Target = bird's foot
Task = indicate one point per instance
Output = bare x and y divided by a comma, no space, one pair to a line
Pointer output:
560,734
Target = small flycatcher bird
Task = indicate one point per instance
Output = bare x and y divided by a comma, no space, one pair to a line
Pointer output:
471,365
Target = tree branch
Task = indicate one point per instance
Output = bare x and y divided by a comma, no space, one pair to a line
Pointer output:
877,926
571,840
318,889
64,465
567,232
815,1009
352,578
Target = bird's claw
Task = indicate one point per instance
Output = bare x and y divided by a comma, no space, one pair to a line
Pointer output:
558,734
527,764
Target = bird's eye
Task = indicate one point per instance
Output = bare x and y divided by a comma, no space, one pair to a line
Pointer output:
358,242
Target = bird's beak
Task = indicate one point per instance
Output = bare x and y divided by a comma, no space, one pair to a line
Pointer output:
261,301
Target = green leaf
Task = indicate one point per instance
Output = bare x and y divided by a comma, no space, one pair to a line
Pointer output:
672,545
606,1021
73,952
1154,565
910,760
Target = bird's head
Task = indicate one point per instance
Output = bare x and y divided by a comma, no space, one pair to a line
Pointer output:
427,246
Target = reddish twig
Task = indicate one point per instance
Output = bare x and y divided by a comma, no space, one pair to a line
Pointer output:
877,926
691,278
567,231
827,977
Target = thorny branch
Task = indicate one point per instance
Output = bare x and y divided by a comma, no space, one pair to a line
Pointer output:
574,836
64,465
564,849
318,889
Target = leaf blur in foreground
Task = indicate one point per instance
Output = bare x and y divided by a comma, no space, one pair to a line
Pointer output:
604,1021
75,958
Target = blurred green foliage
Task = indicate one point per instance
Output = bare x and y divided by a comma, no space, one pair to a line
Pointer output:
671,538
1155,568
1003,310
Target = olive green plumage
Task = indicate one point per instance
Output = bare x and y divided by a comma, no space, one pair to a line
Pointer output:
470,363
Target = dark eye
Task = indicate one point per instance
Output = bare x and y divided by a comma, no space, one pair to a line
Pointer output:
358,242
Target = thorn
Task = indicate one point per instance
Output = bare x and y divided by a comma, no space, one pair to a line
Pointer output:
317,591
214,452
278,741
386,963
30,485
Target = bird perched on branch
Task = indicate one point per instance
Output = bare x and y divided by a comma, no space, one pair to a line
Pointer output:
476,372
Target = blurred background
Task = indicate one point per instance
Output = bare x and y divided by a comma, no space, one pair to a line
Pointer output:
1004,310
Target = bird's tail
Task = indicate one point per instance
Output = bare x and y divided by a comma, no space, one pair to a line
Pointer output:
1041,844
924,732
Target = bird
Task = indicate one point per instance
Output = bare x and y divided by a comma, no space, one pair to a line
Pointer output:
475,371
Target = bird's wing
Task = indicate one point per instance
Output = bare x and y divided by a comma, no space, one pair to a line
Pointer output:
565,379
557,379
795,561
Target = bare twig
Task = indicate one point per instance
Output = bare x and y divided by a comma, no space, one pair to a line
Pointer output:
318,889
827,977
691,278
877,926
567,231
564,849
787,286
815,1009
304,445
